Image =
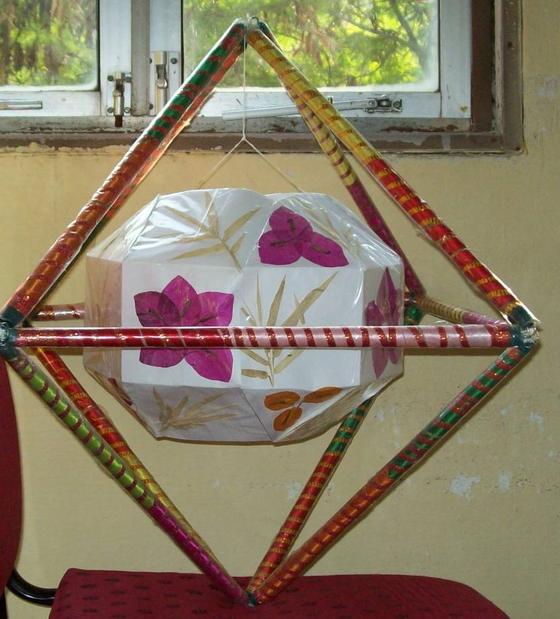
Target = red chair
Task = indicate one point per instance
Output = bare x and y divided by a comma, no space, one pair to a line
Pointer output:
135,595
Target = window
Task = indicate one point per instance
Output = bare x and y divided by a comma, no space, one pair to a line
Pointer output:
70,63
49,59
405,59
412,74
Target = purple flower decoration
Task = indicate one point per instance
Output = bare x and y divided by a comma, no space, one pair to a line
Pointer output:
385,310
291,236
179,305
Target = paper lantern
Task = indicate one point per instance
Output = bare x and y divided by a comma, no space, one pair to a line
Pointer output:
235,257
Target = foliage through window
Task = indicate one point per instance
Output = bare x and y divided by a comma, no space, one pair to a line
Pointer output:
344,44
48,43
61,59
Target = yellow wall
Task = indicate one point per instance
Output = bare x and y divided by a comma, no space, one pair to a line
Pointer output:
483,510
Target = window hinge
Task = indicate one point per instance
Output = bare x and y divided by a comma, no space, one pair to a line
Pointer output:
165,78
371,105
119,95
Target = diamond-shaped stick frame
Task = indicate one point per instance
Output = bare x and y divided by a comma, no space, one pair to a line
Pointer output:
516,331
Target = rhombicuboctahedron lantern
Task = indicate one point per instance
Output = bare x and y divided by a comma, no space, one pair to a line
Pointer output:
234,257
192,262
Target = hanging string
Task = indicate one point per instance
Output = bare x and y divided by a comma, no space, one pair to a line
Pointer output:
245,140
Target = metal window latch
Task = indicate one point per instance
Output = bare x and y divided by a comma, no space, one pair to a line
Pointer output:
383,104
119,95
372,105
165,78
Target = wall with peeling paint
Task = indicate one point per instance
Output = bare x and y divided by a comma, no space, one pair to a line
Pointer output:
484,510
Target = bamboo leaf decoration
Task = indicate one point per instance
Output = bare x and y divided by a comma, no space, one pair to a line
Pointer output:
307,301
292,356
209,230
255,373
277,360
275,305
235,247
195,223
202,251
254,356
212,216
238,224
183,416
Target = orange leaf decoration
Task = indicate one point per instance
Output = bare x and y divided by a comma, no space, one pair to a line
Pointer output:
281,399
286,419
321,395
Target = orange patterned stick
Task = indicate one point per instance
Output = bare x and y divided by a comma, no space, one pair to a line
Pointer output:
350,180
405,197
415,452
73,311
310,494
86,405
448,312
356,189
128,173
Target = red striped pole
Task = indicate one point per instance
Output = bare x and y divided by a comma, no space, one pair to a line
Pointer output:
398,336
310,494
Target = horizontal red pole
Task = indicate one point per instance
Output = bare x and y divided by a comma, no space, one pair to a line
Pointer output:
399,336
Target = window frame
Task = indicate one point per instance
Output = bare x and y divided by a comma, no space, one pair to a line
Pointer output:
451,100
53,101
494,126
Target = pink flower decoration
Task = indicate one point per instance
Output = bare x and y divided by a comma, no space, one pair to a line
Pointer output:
291,237
385,310
179,305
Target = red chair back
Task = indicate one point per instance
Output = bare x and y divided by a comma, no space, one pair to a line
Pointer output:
10,480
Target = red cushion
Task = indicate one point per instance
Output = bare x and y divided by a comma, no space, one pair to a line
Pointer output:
126,595
10,480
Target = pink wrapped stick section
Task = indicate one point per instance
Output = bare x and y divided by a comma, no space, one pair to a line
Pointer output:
398,336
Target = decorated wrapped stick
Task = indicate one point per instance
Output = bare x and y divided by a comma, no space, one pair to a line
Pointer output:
451,313
352,183
47,313
356,189
310,494
398,336
105,427
122,473
495,291
417,450
127,174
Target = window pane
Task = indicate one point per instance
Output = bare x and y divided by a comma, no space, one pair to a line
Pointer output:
48,43
381,44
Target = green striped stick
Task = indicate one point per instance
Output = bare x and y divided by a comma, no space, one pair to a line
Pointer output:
310,494
120,471
416,451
